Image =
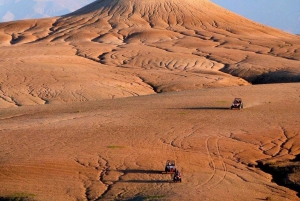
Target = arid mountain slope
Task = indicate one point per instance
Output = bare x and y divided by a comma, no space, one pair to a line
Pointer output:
158,45
60,140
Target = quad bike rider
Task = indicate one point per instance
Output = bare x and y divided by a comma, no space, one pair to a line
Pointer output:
237,103
170,166
177,176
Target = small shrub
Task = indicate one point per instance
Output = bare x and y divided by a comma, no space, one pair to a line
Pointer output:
115,147
222,101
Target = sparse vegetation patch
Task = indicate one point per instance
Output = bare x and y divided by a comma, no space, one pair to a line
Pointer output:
18,197
115,147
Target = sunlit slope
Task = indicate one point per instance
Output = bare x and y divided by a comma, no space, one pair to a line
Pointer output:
159,45
117,149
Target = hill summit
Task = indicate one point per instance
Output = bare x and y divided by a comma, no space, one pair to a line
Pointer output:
168,14
192,27
147,46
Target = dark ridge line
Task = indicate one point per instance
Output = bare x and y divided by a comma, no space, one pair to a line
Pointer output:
154,88
280,174
265,78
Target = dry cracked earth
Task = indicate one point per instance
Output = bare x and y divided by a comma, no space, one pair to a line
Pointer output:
93,103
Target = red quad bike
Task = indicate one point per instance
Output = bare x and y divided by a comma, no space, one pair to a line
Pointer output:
237,103
170,167
177,176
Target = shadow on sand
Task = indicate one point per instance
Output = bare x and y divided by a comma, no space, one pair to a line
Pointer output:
206,108
134,171
141,171
282,172
146,181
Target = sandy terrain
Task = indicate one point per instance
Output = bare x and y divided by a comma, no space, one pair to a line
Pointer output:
93,103
116,149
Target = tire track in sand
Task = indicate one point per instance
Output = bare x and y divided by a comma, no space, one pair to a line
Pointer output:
216,162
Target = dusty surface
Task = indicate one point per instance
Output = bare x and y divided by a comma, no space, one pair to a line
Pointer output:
129,48
117,149
85,114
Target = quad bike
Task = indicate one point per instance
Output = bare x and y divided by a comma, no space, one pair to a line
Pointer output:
177,177
237,103
170,167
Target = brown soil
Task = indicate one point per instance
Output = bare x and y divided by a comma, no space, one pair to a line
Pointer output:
93,103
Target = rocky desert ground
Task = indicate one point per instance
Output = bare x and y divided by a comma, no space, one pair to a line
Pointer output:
93,103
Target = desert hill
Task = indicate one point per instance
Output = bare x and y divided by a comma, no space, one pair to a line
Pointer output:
159,46
93,103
